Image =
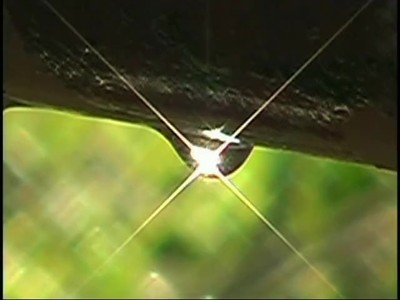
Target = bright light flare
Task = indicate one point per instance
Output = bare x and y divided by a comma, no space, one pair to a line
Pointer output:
207,160
217,134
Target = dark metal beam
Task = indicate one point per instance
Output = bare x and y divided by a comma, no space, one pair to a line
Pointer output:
209,63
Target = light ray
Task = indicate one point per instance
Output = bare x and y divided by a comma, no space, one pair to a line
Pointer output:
120,76
295,74
142,226
230,185
196,173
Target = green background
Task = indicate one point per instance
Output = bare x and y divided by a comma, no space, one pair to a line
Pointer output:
75,188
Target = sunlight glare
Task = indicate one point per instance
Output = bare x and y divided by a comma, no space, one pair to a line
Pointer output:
207,160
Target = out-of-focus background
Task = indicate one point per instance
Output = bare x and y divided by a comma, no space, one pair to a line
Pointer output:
75,188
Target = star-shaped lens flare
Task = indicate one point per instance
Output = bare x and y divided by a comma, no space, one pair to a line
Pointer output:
209,161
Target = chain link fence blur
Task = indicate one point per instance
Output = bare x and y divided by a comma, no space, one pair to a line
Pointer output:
75,188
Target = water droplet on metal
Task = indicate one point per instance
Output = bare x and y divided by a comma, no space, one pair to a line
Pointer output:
231,158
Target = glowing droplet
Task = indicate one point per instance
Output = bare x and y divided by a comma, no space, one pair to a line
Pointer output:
206,160
204,156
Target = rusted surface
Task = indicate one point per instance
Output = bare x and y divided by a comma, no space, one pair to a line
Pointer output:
212,63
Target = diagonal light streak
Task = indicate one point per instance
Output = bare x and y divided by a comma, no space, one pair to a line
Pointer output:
189,180
120,76
196,173
295,74
231,186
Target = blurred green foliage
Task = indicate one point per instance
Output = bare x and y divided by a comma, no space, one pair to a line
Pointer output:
75,188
